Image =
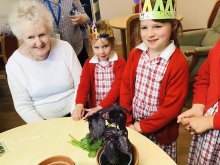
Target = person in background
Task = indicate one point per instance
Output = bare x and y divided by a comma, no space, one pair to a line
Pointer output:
203,119
43,73
155,80
65,26
86,4
101,76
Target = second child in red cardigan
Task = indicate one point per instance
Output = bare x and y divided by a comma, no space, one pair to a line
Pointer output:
101,75
155,80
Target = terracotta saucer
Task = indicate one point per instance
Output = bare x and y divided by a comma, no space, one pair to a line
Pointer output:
57,160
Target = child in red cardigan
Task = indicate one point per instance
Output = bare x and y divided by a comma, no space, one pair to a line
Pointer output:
101,75
155,80
203,119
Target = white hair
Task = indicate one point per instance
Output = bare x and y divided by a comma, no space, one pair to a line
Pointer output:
32,11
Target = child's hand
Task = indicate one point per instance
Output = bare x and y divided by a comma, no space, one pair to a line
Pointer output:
196,110
198,125
78,112
91,111
137,126
132,127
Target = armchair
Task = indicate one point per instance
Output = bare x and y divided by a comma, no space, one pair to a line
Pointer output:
191,44
196,43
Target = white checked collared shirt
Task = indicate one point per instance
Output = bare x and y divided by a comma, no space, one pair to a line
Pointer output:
149,75
104,75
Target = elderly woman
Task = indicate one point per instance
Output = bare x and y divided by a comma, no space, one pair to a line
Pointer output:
43,73
65,26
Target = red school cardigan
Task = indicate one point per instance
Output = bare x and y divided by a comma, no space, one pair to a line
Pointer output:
207,83
86,90
172,94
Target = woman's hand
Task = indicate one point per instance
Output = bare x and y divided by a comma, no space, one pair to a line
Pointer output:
91,111
78,19
78,112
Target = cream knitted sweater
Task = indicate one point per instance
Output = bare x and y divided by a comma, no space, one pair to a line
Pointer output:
44,89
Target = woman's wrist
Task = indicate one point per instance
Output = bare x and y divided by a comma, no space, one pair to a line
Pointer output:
83,19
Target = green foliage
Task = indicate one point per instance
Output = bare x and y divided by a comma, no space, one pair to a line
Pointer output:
88,144
2,149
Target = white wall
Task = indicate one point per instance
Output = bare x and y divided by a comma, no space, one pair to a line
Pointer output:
195,12
4,10
113,8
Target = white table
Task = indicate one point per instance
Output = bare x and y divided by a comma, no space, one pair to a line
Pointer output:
31,143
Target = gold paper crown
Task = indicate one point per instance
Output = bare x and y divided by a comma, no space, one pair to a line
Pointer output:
159,11
98,30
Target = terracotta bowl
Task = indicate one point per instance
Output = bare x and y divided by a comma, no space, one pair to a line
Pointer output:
134,152
57,160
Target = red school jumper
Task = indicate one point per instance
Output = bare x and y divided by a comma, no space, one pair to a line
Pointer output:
172,94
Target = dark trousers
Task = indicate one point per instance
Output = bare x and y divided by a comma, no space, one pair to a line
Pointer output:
83,55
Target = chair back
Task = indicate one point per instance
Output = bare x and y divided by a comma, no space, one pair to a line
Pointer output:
213,14
2,56
132,33
11,44
213,33
2,49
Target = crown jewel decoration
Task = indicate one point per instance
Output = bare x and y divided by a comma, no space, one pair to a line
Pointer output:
95,33
159,11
